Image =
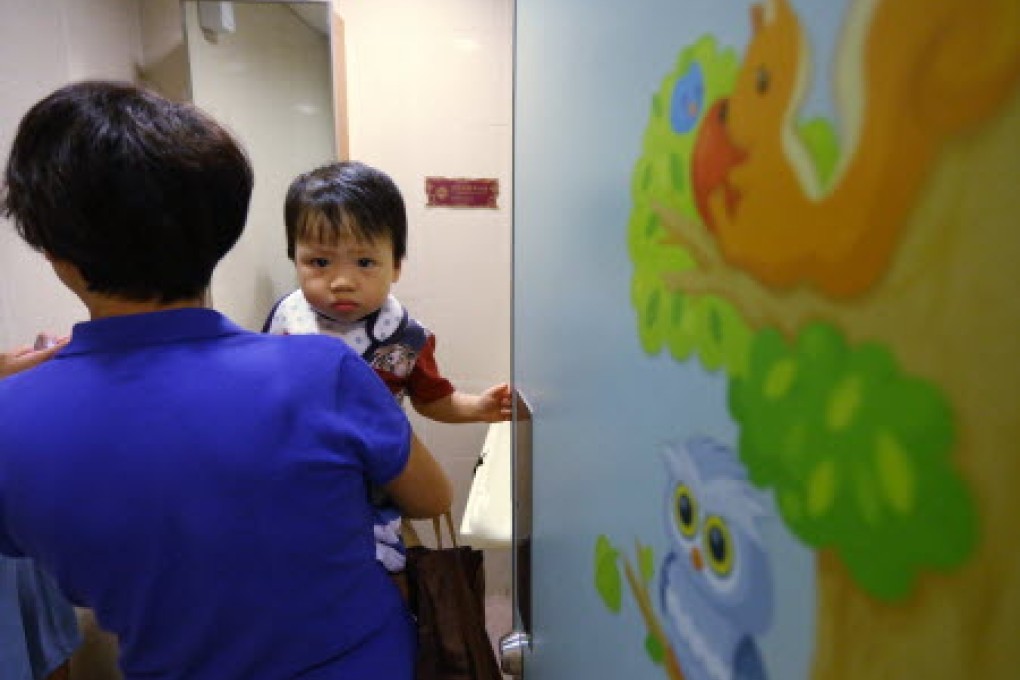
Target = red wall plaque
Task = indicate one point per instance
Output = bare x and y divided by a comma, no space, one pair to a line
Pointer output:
449,192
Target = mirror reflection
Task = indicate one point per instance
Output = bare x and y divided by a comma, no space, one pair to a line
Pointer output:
264,69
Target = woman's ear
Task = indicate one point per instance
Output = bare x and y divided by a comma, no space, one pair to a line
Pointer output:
68,273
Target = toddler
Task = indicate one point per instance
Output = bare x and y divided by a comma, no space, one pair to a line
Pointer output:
347,235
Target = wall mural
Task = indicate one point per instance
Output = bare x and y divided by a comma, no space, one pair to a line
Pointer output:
840,273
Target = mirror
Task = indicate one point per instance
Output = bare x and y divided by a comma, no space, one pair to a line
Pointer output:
265,70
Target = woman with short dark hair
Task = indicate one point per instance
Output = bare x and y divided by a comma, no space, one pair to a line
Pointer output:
202,488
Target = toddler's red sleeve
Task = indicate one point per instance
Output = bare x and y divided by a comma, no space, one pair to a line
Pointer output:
426,384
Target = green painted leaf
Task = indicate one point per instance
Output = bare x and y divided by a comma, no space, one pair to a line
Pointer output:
607,575
821,491
895,474
655,650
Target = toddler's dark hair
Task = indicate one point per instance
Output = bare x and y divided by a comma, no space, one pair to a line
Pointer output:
345,197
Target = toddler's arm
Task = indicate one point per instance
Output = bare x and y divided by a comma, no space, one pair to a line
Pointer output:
491,406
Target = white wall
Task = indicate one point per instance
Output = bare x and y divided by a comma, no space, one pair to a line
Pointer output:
429,87
45,44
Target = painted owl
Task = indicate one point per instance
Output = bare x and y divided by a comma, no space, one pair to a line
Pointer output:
715,589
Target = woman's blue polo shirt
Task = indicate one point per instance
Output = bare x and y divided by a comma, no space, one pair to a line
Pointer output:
204,489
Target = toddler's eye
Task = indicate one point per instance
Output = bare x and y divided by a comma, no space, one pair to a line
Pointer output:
319,262
366,262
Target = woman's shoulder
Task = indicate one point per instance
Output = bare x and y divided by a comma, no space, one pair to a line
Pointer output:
301,354
313,347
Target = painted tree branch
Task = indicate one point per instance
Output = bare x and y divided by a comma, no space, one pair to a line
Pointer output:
758,304
652,621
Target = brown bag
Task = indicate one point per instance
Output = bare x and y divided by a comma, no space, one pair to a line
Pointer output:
446,593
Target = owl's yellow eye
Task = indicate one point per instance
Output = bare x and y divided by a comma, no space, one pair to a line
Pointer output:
685,510
718,545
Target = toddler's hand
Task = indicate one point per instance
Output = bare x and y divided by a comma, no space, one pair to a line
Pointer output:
24,358
495,404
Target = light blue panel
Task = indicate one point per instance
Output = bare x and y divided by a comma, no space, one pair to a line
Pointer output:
604,409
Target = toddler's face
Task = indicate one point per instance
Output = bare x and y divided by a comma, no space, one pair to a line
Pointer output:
346,280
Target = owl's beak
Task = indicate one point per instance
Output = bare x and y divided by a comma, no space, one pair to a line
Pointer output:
696,560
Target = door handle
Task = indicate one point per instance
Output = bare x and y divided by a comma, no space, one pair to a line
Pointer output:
512,647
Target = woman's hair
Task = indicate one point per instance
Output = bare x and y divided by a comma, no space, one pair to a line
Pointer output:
345,198
143,195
